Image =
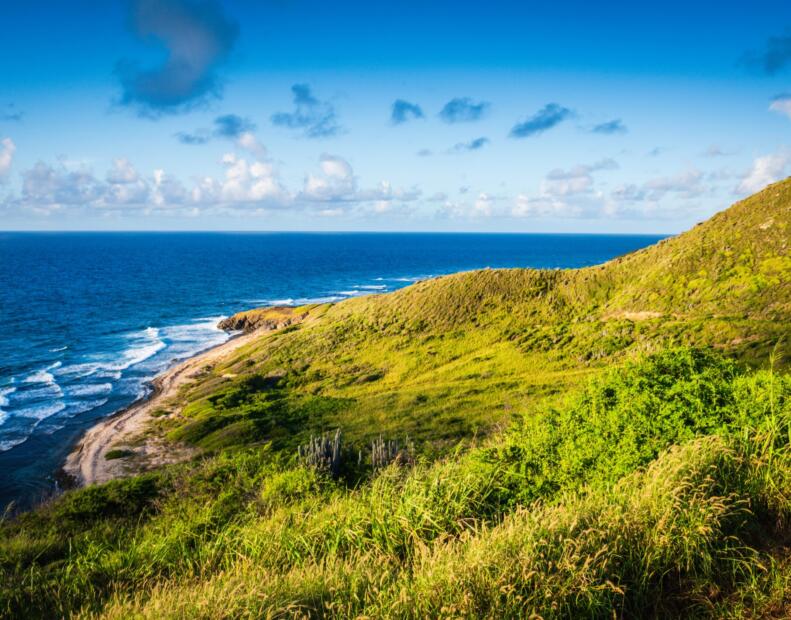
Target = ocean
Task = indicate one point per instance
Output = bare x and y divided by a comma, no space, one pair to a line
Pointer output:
90,318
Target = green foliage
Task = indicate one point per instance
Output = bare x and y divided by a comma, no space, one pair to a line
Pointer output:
487,532
118,498
623,419
253,409
117,454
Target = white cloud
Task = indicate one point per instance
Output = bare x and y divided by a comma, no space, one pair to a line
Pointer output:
249,142
765,170
544,206
245,182
577,180
167,190
565,193
687,183
483,206
7,150
249,185
49,188
125,186
335,183
338,183
782,105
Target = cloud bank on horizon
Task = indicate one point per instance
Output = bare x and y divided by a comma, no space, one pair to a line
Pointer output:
219,114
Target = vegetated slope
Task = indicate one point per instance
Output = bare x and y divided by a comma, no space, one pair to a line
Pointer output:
661,489
456,355
632,480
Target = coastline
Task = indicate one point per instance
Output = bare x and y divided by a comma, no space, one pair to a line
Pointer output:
87,463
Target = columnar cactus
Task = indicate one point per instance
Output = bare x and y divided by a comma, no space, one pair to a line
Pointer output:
323,452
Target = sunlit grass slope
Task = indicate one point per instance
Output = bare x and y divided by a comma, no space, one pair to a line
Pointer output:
455,356
660,489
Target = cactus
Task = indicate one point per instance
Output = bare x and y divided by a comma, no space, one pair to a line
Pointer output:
384,452
323,452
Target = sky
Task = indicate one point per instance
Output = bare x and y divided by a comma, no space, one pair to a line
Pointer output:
576,117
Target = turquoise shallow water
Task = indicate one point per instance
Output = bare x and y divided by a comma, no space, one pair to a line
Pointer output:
89,318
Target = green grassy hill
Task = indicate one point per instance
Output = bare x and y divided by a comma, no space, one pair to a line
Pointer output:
454,356
610,441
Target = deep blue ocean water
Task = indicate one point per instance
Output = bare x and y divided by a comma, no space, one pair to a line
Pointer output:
89,318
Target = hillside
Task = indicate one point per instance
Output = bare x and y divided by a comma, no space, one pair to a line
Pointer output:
605,442
454,356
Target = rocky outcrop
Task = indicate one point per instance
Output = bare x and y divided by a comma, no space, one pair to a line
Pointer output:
269,319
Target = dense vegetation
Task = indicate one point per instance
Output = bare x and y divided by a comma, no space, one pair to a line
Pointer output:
612,441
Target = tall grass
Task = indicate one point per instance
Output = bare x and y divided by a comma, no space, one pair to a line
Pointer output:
507,529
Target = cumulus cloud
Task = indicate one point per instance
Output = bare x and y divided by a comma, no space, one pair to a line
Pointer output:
124,185
544,206
10,113
7,150
404,111
336,182
665,196
781,104
197,37
228,126
463,110
576,180
775,56
687,184
566,193
250,181
483,205
764,170
247,185
610,127
546,118
48,187
472,145
317,118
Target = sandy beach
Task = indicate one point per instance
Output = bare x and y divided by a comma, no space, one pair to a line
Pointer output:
87,464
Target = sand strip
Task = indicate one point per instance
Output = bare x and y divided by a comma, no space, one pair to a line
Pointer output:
87,463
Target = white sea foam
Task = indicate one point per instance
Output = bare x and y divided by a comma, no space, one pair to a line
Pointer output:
89,389
40,412
83,406
44,375
318,300
7,444
373,287
141,351
198,331
79,370
4,394
48,391
58,349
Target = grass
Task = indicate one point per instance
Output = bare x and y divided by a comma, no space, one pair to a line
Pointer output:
455,356
510,527
117,453
605,442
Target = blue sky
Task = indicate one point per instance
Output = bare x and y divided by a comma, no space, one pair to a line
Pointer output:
294,115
